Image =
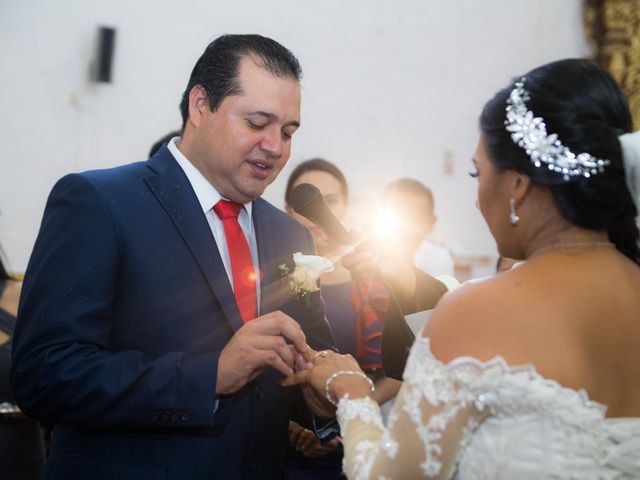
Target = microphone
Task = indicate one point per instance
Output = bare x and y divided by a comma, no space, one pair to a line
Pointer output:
397,337
307,201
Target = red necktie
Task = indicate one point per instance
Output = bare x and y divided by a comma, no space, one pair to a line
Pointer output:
244,275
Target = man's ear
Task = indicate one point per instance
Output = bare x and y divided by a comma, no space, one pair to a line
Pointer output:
198,101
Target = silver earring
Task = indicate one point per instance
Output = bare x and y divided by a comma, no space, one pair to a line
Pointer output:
513,216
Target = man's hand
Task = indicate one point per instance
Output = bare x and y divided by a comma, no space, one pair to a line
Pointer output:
257,344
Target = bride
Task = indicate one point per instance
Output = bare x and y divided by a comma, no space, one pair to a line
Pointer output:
534,373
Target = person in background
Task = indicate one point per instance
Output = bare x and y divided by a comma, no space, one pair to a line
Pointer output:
356,311
411,205
21,442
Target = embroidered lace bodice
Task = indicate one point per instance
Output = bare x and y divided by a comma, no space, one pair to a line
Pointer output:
485,420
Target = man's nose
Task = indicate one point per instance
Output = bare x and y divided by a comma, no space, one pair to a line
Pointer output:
272,143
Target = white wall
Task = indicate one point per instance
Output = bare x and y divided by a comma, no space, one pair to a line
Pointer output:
388,88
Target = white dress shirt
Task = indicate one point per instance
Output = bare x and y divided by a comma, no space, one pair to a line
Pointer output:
208,196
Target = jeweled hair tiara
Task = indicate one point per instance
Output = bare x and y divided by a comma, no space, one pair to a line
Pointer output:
530,133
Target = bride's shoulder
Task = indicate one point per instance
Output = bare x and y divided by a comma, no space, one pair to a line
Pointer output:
487,297
465,321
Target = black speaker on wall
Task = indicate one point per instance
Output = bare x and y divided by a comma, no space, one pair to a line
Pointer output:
103,68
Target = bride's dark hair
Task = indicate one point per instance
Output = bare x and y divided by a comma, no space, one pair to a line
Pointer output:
584,106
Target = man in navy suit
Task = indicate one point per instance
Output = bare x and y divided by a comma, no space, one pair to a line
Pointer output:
137,335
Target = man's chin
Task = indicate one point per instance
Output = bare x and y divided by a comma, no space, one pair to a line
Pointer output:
247,189
253,191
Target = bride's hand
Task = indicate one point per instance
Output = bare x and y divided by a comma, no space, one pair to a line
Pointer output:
322,365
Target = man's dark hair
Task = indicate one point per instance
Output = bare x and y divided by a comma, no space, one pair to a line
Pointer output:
217,69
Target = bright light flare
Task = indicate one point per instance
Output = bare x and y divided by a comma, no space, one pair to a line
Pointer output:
386,225
390,233
249,277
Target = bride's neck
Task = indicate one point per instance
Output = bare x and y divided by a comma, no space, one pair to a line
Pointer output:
570,236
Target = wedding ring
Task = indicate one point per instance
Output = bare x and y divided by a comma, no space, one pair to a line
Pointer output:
322,353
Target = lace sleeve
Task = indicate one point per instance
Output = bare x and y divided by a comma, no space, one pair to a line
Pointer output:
437,407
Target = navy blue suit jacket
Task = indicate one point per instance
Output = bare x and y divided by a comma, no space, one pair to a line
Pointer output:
125,308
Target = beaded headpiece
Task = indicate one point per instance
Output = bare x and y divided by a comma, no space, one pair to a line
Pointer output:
530,133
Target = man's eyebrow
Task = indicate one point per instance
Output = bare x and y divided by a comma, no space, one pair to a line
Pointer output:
273,116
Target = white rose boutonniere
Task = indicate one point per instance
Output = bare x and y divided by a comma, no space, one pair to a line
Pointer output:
308,268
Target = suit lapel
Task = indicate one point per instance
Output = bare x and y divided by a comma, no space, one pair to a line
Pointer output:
173,190
273,291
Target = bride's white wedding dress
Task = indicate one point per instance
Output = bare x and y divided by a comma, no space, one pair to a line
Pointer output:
485,420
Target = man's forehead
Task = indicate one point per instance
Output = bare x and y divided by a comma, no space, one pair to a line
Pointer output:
267,95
